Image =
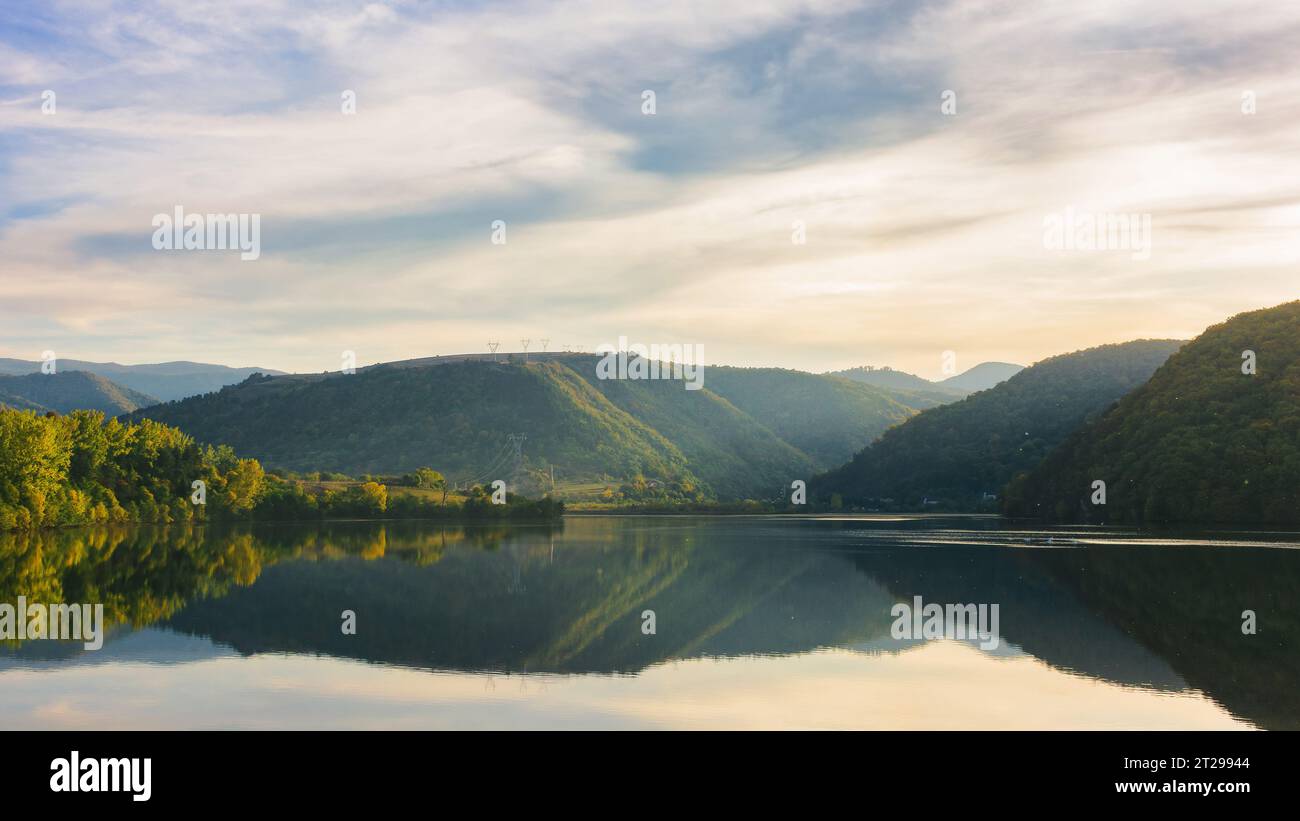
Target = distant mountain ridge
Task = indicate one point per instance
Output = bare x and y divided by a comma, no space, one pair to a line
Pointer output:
981,377
164,380
887,377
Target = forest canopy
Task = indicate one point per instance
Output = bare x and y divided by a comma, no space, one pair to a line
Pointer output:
82,468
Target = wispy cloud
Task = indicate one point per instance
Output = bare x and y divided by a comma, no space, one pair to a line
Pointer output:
924,231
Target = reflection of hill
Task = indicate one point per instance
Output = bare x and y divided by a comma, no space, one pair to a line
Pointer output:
1037,614
1185,604
537,599
1146,616
574,607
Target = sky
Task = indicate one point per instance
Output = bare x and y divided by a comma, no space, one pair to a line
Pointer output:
821,184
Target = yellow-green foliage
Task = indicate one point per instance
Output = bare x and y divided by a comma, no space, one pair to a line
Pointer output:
80,469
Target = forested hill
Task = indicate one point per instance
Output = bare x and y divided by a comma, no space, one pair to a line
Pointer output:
895,380
66,391
746,434
1202,441
952,456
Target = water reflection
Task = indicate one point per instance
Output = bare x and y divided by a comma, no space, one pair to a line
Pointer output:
805,603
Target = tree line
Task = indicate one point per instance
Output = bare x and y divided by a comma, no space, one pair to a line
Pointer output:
83,468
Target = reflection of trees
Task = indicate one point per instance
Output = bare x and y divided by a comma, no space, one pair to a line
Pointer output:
27,569
143,575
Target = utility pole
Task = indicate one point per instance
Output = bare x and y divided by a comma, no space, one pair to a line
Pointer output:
525,344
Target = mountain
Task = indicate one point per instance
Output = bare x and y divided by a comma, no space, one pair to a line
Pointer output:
748,433
951,456
922,393
1202,441
981,377
70,390
165,380
887,377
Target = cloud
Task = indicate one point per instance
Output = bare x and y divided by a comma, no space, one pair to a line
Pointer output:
924,231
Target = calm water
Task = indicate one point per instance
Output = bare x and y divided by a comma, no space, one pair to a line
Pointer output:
760,622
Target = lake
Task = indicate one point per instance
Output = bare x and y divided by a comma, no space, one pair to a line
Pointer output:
658,622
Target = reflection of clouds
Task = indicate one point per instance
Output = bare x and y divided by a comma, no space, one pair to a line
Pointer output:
148,646
941,685
922,229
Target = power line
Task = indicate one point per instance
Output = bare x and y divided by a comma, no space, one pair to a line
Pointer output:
494,466
510,458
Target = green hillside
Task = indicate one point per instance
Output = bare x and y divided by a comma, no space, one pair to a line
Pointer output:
732,453
955,454
833,418
67,391
1200,442
746,434
8,400
456,416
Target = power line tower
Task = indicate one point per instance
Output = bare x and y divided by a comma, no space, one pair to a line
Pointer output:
492,346
525,343
544,341
516,441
